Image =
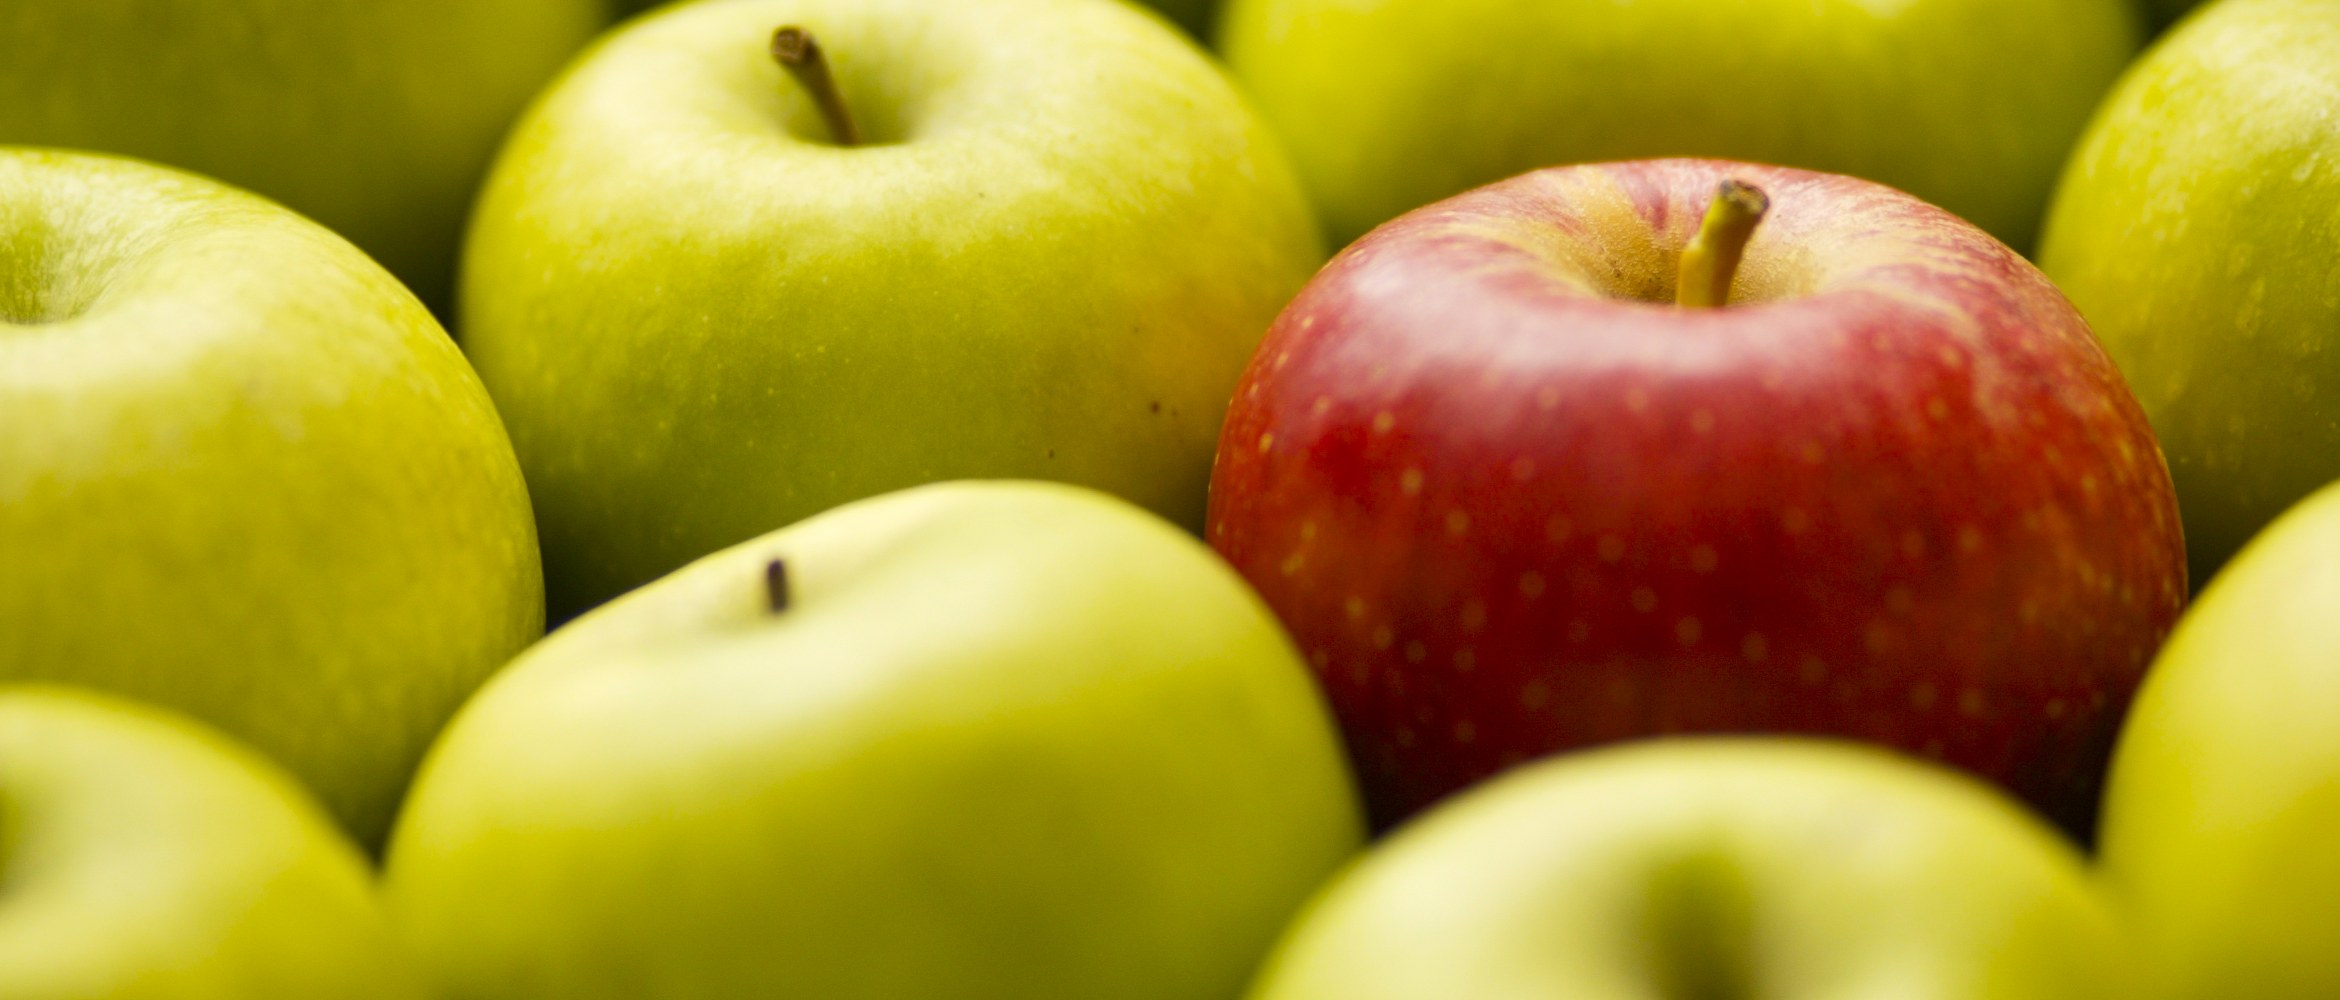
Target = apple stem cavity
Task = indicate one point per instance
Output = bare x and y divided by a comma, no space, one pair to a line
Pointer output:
1711,260
776,585
796,51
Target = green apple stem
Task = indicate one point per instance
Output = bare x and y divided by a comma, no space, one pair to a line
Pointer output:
776,585
801,56
1712,258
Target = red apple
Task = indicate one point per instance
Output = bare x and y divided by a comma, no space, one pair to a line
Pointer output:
1511,498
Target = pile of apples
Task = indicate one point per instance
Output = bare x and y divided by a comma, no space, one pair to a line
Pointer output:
1286,499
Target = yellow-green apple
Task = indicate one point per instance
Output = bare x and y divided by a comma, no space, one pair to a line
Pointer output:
1193,15
2195,228
245,474
145,857
1714,868
2225,789
1387,105
965,741
704,319
1511,497
375,117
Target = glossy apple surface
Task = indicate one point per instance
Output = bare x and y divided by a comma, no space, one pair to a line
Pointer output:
1510,499
244,474
704,320
2226,787
1713,868
1387,105
148,858
375,117
1001,740
2195,229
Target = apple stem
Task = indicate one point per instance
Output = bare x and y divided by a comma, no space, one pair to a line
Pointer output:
776,585
797,52
1712,258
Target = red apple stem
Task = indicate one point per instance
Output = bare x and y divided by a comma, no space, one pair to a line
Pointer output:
798,53
1711,260
776,585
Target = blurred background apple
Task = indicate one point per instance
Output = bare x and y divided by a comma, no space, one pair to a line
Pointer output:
374,117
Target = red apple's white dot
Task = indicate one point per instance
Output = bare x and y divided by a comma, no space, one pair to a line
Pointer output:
1466,659
1637,400
1794,520
1307,531
1458,523
1702,421
1416,652
1579,631
1356,608
1704,559
1644,600
1266,441
1922,696
1612,548
1474,616
1322,406
1971,703
1384,421
1464,732
1383,636
1558,529
1937,409
1811,453
1523,469
1899,601
1535,695
1548,399
1878,637
1688,630
1410,482
1970,539
1531,584
2056,708
1812,670
1293,563
1755,647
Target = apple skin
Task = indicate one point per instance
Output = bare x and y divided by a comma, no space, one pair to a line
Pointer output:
1193,15
702,320
1008,740
245,475
2225,789
1713,868
1510,499
374,117
1387,105
2194,228
149,858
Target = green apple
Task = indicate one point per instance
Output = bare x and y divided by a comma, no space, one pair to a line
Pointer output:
1713,868
1387,105
2195,228
143,857
2225,790
995,740
375,117
244,474
704,319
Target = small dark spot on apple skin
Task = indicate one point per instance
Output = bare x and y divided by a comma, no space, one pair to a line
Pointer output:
1052,453
1154,407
